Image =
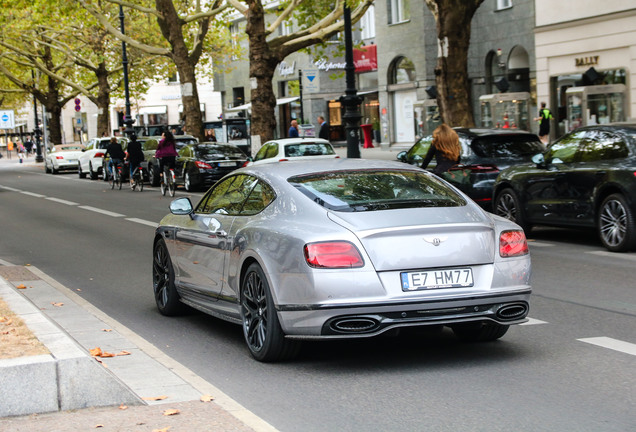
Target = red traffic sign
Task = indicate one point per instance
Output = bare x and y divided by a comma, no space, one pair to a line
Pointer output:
77,101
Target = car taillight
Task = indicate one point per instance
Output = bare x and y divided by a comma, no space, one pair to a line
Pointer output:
203,165
246,163
339,254
512,243
99,154
282,160
59,157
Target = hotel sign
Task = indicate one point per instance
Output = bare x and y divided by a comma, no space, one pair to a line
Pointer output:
586,61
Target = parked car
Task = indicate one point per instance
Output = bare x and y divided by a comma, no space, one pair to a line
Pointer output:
586,178
151,164
340,248
485,152
294,148
62,157
91,161
201,165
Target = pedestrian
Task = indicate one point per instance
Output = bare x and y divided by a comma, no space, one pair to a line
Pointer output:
28,145
444,148
545,115
21,151
324,128
9,148
293,129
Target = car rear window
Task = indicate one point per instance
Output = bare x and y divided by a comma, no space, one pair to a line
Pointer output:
369,190
209,152
507,146
308,149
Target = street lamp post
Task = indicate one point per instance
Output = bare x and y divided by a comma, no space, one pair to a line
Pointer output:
128,120
36,130
350,101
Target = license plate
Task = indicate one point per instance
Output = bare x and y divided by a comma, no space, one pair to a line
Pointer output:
71,160
434,279
227,164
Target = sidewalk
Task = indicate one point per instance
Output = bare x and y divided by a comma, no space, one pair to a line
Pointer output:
68,390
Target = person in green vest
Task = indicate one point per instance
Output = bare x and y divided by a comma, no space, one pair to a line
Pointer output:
545,115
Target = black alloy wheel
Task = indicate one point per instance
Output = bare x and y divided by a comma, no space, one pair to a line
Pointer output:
507,205
261,328
154,175
165,291
616,226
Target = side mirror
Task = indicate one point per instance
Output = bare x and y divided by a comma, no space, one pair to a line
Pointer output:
401,156
181,206
539,160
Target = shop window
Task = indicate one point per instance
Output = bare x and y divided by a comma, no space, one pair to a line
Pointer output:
403,71
398,11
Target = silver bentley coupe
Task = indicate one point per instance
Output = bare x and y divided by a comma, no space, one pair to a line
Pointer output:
340,248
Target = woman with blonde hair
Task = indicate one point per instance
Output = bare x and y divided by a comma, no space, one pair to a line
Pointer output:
445,148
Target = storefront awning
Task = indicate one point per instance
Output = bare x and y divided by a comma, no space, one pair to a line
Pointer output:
160,109
281,101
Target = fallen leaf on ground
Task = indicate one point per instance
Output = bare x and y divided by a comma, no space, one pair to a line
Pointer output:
99,426
123,353
21,286
106,354
207,398
107,330
6,321
154,398
166,429
171,412
78,289
123,407
96,352
28,265
60,304
3,319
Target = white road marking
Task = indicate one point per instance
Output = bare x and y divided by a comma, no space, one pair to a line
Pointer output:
61,201
613,344
532,321
628,256
104,212
143,222
10,189
33,194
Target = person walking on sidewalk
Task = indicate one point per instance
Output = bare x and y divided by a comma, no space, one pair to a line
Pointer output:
545,115
9,148
21,151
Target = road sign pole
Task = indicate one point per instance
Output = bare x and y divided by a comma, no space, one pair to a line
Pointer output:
300,82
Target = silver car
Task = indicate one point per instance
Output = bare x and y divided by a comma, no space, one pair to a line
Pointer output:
340,248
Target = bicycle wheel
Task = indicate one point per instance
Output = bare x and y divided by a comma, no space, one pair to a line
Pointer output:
163,187
171,185
111,180
118,178
140,183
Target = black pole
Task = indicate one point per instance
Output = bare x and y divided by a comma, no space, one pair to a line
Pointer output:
36,130
350,101
128,120
300,83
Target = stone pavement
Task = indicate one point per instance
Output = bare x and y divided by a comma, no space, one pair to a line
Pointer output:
68,390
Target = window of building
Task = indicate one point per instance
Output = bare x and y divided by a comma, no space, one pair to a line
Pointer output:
234,37
286,28
173,78
398,11
238,96
403,71
504,4
367,24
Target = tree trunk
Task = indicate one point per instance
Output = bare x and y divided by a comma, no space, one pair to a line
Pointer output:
190,99
451,73
54,110
262,66
103,101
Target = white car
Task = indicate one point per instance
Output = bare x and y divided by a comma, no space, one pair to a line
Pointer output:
91,160
285,149
62,157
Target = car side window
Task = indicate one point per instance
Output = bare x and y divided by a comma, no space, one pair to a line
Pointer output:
420,148
261,152
260,196
185,152
227,196
272,151
602,145
566,148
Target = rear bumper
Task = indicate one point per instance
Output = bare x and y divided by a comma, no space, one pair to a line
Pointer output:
371,320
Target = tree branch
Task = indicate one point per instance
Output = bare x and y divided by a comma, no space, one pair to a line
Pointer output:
145,10
283,16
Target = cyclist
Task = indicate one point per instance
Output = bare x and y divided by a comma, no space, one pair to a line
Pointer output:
134,156
116,153
166,152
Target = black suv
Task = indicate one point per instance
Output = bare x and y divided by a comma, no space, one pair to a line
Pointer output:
484,153
587,178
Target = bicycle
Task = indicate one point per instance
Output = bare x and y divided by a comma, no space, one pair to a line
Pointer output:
138,179
168,182
114,176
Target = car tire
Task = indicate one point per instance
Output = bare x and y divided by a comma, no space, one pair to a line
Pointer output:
616,225
79,172
46,168
91,173
508,205
54,171
262,330
479,331
154,175
187,183
166,296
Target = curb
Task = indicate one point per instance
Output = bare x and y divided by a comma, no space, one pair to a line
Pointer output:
56,381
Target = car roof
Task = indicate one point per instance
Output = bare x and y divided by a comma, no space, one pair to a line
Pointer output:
480,132
284,170
299,140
